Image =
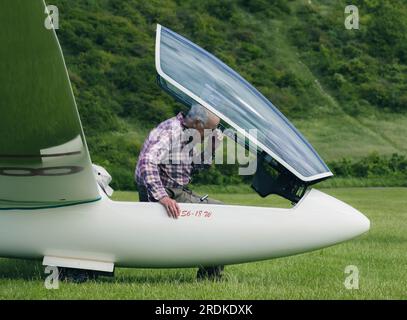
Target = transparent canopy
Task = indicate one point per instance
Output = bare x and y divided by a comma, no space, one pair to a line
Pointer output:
194,74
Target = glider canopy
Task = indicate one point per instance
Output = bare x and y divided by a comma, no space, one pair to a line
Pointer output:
191,74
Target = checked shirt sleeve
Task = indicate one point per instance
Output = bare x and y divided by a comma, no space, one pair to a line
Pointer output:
155,153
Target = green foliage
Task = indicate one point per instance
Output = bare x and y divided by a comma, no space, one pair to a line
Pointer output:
266,7
372,166
372,170
387,31
368,64
117,154
109,50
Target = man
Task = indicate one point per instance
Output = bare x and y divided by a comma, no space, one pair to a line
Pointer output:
167,161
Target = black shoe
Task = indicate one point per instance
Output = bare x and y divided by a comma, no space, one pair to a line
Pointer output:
210,273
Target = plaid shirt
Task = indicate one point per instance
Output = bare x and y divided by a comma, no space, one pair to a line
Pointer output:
165,159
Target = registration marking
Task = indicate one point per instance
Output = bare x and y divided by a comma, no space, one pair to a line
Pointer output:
196,213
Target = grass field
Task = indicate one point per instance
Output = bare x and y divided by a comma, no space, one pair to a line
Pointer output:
380,256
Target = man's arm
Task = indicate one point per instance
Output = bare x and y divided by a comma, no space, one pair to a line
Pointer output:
155,186
151,178
159,145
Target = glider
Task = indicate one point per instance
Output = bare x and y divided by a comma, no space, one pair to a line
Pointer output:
53,208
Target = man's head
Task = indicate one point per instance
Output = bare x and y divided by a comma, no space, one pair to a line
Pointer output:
199,118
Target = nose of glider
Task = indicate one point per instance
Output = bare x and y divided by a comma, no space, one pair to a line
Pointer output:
364,223
357,222
336,219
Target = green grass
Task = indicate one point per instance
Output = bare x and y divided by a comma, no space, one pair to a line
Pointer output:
380,256
340,136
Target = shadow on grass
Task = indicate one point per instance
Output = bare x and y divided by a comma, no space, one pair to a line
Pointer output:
152,276
16,269
21,269
181,276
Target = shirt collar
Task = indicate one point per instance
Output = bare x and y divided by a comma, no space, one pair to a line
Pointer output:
180,117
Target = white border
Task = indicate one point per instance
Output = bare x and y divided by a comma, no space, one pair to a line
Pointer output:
222,116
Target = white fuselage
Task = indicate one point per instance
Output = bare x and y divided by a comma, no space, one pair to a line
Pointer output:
137,234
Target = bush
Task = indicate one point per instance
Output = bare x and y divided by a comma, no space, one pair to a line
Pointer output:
372,166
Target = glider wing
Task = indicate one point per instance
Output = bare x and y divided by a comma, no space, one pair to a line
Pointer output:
44,160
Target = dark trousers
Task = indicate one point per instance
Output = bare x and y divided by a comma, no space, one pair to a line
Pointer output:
142,193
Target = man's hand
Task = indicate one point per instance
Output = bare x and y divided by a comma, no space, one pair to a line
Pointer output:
171,206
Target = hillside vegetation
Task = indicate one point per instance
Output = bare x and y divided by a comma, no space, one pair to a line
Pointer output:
346,90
